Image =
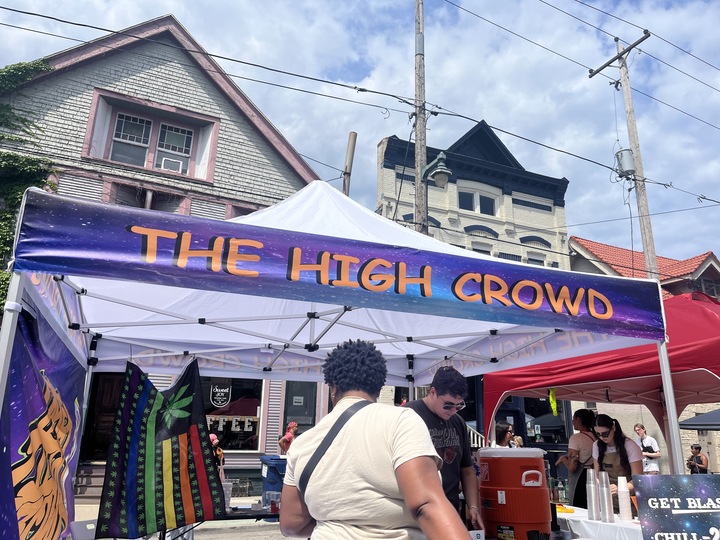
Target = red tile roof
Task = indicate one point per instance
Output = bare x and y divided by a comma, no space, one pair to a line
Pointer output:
629,263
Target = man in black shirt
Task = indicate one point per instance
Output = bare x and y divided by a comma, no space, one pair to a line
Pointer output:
449,434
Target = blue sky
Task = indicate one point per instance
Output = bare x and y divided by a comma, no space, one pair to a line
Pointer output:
521,65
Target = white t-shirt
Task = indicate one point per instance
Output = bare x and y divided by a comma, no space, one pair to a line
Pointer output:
353,493
632,449
649,465
583,443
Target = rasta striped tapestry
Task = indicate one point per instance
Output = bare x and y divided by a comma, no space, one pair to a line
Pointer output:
160,471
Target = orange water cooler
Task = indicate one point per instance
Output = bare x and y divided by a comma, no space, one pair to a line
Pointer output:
514,496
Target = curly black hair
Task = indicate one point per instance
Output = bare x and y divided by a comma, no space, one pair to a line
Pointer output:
356,365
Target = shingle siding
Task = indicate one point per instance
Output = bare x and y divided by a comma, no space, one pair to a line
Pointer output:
246,167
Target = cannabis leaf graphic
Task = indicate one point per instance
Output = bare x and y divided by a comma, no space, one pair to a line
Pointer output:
175,407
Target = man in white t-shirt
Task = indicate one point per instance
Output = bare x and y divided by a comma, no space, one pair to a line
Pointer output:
650,450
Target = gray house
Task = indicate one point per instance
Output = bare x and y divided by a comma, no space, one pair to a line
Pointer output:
145,117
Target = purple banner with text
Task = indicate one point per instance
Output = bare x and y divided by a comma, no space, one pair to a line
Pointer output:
679,507
67,236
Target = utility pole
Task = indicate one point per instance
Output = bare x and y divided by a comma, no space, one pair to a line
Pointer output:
648,242
672,431
421,202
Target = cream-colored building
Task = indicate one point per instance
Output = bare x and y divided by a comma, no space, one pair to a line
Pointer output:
491,204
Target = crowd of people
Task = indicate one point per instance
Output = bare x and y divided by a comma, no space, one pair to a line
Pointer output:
403,469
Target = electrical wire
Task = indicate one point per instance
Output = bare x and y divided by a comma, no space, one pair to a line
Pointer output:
657,36
402,172
581,64
439,109
406,100
644,51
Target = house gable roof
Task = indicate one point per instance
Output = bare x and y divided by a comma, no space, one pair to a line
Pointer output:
482,143
618,261
168,25
480,156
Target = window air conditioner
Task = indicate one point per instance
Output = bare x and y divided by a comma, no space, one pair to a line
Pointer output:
171,165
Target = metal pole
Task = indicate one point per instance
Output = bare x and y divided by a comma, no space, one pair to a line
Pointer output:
421,203
672,436
673,433
12,310
640,193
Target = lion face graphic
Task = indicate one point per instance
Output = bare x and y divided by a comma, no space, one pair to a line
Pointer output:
38,477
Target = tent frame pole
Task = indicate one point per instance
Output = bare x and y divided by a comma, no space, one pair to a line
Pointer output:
12,310
673,432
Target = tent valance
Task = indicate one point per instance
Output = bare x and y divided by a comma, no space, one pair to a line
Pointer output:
269,294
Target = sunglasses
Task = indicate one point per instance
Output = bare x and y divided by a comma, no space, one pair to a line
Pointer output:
449,405
603,434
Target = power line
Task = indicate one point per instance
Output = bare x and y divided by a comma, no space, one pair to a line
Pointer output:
579,63
657,36
440,109
406,100
324,164
548,49
644,51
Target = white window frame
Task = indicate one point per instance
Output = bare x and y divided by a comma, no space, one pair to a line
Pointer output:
535,256
481,247
198,162
472,189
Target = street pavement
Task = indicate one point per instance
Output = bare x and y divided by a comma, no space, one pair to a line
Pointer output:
227,529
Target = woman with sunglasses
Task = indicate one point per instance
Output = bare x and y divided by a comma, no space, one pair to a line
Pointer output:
616,454
504,435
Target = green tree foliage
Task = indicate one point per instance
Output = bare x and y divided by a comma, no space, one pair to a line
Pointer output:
17,172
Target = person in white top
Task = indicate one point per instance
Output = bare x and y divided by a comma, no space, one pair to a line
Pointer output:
579,457
650,450
379,477
504,435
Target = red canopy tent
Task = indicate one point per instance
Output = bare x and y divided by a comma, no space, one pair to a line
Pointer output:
630,375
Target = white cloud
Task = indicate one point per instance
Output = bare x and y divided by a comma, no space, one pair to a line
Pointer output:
473,68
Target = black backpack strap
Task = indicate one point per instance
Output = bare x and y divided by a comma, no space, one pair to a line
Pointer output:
325,444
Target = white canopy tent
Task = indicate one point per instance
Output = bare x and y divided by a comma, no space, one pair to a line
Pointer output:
356,275
273,335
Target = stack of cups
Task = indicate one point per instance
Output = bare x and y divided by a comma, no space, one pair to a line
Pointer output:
624,499
593,496
606,505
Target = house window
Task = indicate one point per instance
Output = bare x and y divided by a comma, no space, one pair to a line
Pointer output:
509,256
474,201
537,261
710,287
131,139
482,247
173,148
152,136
